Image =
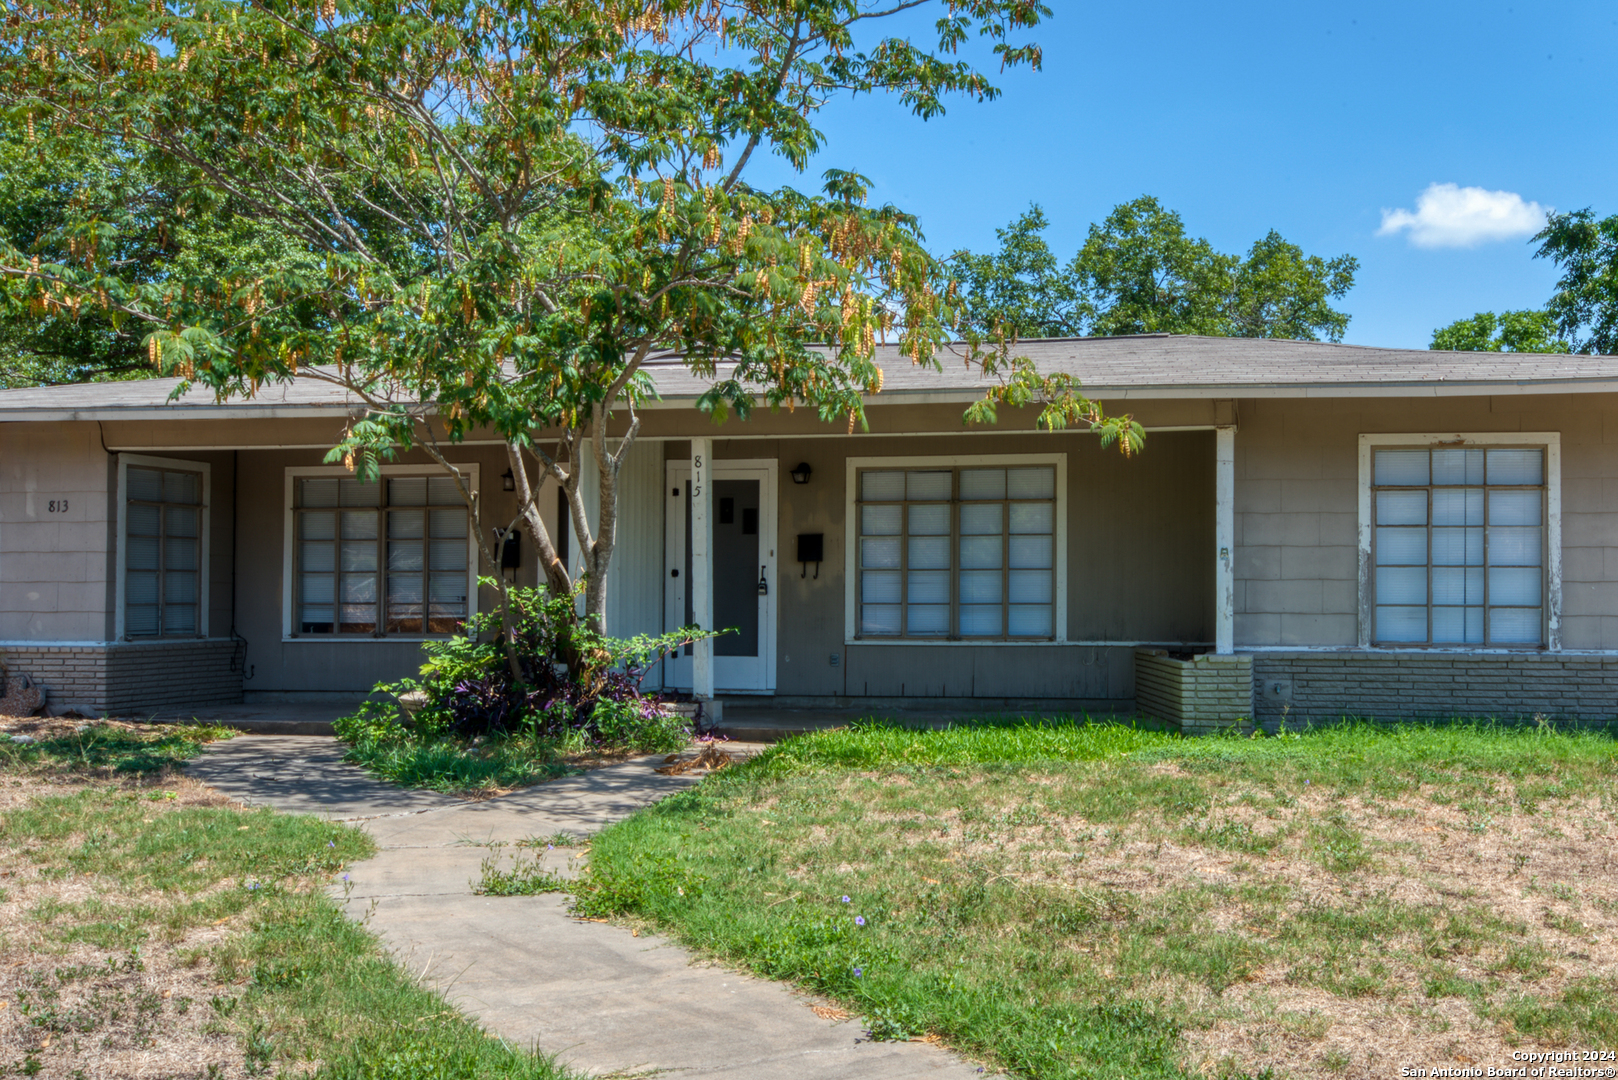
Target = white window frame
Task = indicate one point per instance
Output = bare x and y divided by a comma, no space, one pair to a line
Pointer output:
206,471
289,553
1551,441
851,546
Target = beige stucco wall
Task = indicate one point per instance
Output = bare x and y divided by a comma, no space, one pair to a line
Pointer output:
1297,475
55,567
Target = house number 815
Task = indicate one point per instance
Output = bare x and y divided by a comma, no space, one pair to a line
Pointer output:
57,506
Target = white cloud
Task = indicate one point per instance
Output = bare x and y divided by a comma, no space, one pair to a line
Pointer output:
1448,215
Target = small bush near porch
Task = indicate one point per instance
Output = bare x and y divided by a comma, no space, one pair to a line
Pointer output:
1070,900
469,724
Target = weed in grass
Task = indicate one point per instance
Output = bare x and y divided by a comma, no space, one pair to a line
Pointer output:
521,879
452,764
1234,836
1338,845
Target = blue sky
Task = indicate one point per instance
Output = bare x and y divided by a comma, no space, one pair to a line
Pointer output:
1311,119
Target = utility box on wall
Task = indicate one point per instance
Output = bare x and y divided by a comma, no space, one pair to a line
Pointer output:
1203,693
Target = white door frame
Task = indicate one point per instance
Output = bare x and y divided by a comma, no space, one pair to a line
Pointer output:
730,676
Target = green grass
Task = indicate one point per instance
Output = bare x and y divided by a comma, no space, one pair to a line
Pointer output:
1085,900
451,765
134,873
111,748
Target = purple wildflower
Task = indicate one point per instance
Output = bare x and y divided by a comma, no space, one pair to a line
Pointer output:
845,900
858,973
859,920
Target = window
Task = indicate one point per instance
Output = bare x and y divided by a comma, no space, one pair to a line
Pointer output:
1460,545
957,552
384,558
162,552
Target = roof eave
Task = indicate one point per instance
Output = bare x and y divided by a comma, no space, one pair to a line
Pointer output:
947,396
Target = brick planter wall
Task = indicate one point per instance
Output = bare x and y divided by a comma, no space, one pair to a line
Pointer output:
1427,685
128,677
1204,693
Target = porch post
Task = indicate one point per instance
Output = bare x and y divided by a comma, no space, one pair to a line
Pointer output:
1224,539
702,564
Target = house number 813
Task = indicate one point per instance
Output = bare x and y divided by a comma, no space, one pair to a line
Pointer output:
57,506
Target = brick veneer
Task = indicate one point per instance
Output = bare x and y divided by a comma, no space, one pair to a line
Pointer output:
128,677
1412,685
1204,693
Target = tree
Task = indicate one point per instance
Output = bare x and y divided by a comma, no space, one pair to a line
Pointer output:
143,236
1019,290
1139,273
1586,250
501,212
1278,292
1509,331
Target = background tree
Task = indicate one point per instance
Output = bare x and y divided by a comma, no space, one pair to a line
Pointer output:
1586,299
1140,273
501,211
1509,331
1279,292
1020,290
143,235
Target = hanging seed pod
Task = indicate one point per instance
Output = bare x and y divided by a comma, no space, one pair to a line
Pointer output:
154,351
710,160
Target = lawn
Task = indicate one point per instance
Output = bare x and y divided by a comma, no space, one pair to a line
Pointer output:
1073,900
150,928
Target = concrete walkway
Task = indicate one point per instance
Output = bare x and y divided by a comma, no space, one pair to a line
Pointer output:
604,1002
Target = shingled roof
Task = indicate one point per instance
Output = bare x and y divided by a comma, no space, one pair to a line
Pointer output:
1143,366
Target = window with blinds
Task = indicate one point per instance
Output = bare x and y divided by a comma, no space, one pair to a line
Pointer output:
162,553
377,559
1459,546
957,553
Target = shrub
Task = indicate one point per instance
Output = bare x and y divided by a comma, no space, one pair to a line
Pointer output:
577,688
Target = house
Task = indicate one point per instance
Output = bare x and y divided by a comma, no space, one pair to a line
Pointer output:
1312,530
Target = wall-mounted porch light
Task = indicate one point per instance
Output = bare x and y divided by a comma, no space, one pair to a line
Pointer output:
800,475
508,481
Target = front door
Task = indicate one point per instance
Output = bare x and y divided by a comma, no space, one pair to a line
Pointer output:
743,573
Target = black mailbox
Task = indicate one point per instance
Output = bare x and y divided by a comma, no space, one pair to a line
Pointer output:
811,549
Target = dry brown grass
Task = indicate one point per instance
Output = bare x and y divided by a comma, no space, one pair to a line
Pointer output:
72,1011
1541,882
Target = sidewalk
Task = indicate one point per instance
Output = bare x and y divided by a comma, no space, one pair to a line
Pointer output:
604,1002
